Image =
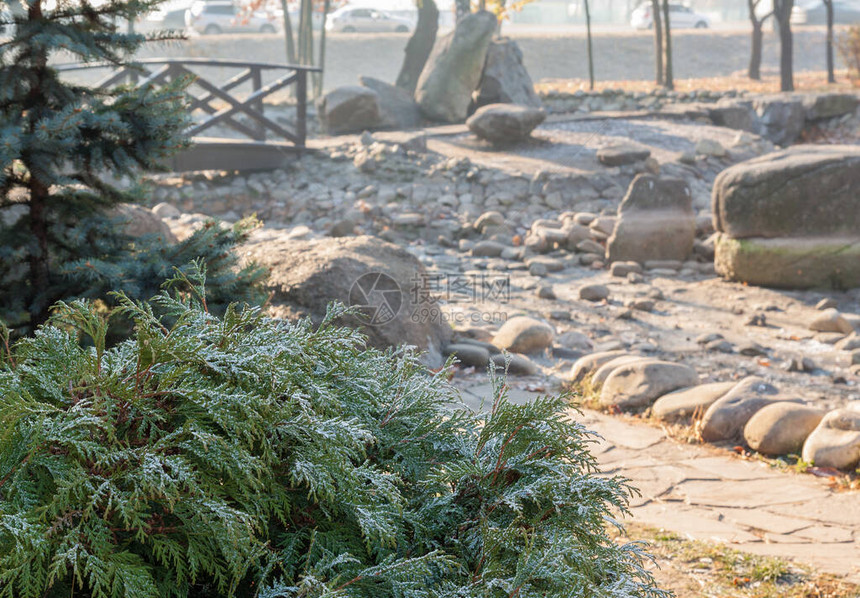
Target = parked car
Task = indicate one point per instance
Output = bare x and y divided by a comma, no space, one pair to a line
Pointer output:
211,18
814,13
350,19
166,18
680,17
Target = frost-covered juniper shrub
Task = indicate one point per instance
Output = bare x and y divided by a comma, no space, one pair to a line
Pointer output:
246,456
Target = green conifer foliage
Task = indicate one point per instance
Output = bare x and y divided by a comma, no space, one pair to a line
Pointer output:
63,146
244,456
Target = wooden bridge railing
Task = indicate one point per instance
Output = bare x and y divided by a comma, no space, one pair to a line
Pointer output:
215,100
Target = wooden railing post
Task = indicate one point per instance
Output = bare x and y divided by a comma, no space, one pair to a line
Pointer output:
301,107
256,85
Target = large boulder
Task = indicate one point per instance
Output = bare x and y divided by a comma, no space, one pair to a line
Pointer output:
790,263
502,124
637,384
820,106
836,441
453,70
655,221
805,191
726,417
377,278
397,107
782,117
349,109
781,428
791,218
505,79
137,221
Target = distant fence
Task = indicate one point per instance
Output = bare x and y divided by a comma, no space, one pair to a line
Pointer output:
217,104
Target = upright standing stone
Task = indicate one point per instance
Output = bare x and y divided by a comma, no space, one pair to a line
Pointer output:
454,68
505,79
655,221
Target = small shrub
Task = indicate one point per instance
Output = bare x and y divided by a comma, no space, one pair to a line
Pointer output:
245,456
849,47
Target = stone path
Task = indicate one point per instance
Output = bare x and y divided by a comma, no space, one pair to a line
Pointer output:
703,494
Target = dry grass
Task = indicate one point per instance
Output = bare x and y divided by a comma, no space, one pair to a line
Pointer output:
697,569
803,81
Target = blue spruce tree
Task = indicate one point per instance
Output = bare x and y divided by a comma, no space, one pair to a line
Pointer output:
62,147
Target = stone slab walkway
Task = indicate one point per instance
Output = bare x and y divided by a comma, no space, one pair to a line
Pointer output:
698,492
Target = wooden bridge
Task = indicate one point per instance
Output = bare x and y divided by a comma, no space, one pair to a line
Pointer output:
258,142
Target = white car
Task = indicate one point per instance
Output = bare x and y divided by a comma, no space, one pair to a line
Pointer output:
680,17
211,18
350,19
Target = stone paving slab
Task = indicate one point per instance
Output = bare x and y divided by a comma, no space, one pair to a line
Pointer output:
704,495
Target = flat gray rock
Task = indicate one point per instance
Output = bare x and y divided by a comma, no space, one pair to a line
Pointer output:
619,154
503,124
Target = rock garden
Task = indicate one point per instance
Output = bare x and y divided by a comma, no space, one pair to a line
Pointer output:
690,260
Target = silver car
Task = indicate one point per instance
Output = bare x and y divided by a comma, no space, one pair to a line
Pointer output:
211,18
350,20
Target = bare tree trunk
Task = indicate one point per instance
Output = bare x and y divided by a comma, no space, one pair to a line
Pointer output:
831,75
657,23
288,34
40,276
669,78
306,33
318,77
419,46
782,12
590,49
754,71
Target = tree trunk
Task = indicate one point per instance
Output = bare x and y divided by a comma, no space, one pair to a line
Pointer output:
669,78
657,23
754,71
306,33
288,34
318,77
590,49
39,192
831,75
419,46
782,12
